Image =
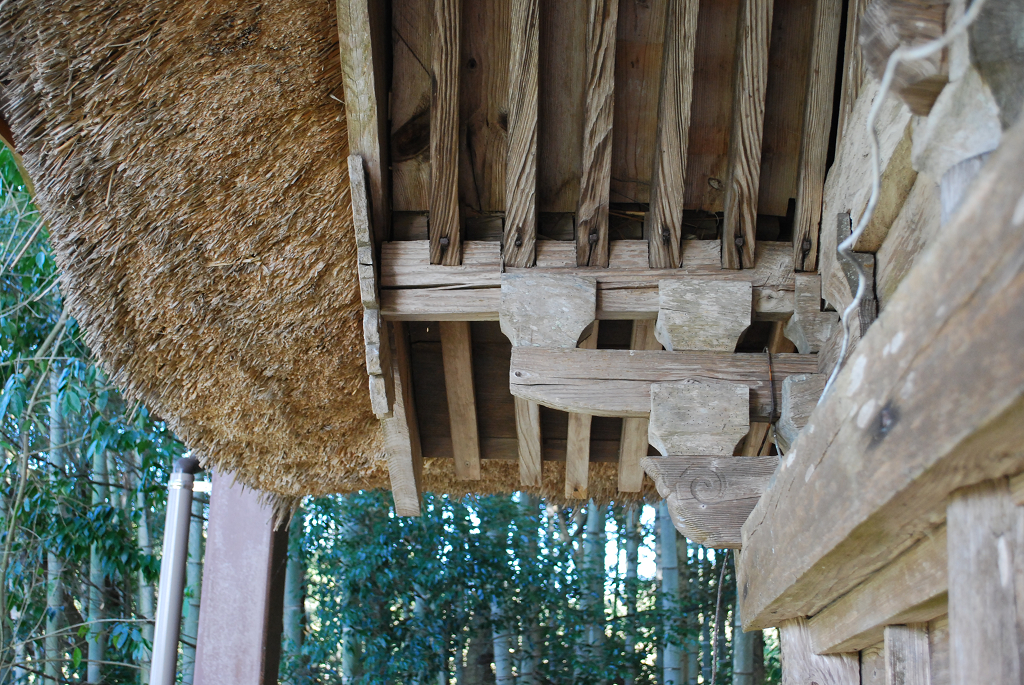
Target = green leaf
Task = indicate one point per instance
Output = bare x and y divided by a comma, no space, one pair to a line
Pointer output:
76,657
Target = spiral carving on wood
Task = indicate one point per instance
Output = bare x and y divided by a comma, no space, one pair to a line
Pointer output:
706,485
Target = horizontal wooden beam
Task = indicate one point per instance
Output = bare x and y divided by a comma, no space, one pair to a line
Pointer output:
618,382
931,401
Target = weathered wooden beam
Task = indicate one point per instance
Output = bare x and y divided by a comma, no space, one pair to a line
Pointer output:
618,382
592,208
546,310
577,447
633,441
911,589
445,215
817,126
709,498
744,175
401,431
521,173
809,328
854,70
906,655
699,417
365,47
457,351
894,436
702,314
800,394
804,667
531,444
986,564
663,224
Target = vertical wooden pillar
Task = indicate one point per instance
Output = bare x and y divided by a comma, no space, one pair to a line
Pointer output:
984,532
906,655
239,640
801,666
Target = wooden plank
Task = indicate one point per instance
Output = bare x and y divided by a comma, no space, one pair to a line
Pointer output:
709,498
577,447
410,105
401,431
817,126
702,314
894,437
854,69
521,176
911,589
915,225
563,41
800,394
986,558
906,655
801,666
364,49
546,310
592,207
743,177
618,382
641,32
663,224
445,216
456,347
872,665
698,417
938,650
530,442
809,328
633,442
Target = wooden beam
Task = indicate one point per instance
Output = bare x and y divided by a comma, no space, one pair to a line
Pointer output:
800,394
911,589
854,70
445,215
702,314
530,442
986,561
744,175
592,208
698,417
401,431
817,125
709,498
577,447
457,351
546,310
809,328
365,47
804,667
618,382
633,442
906,655
521,174
894,437
663,224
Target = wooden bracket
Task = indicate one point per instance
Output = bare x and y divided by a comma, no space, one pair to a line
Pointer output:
699,417
809,327
800,394
702,314
546,310
709,498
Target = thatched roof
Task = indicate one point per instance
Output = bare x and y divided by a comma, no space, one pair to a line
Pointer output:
190,160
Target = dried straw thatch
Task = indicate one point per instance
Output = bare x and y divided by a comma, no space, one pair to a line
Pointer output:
190,160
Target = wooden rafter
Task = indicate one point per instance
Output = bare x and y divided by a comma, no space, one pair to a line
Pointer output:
664,221
592,208
457,350
445,215
521,173
744,174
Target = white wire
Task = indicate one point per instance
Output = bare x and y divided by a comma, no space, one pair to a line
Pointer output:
845,248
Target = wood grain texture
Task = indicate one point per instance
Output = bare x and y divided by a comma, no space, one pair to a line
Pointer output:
916,224
800,395
445,214
364,48
530,442
618,382
410,105
709,498
911,589
801,666
521,175
814,141
633,442
698,417
938,650
401,431
546,310
809,328
641,32
894,438
592,207
986,570
663,224
577,445
744,174
854,69
906,655
457,349
699,314
872,665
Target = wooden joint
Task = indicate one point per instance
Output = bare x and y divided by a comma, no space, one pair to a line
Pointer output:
703,314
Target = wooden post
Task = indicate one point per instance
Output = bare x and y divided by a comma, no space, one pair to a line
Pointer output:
906,655
986,557
801,666
445,218
577,445
456,349
239,640
633,441
401,431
